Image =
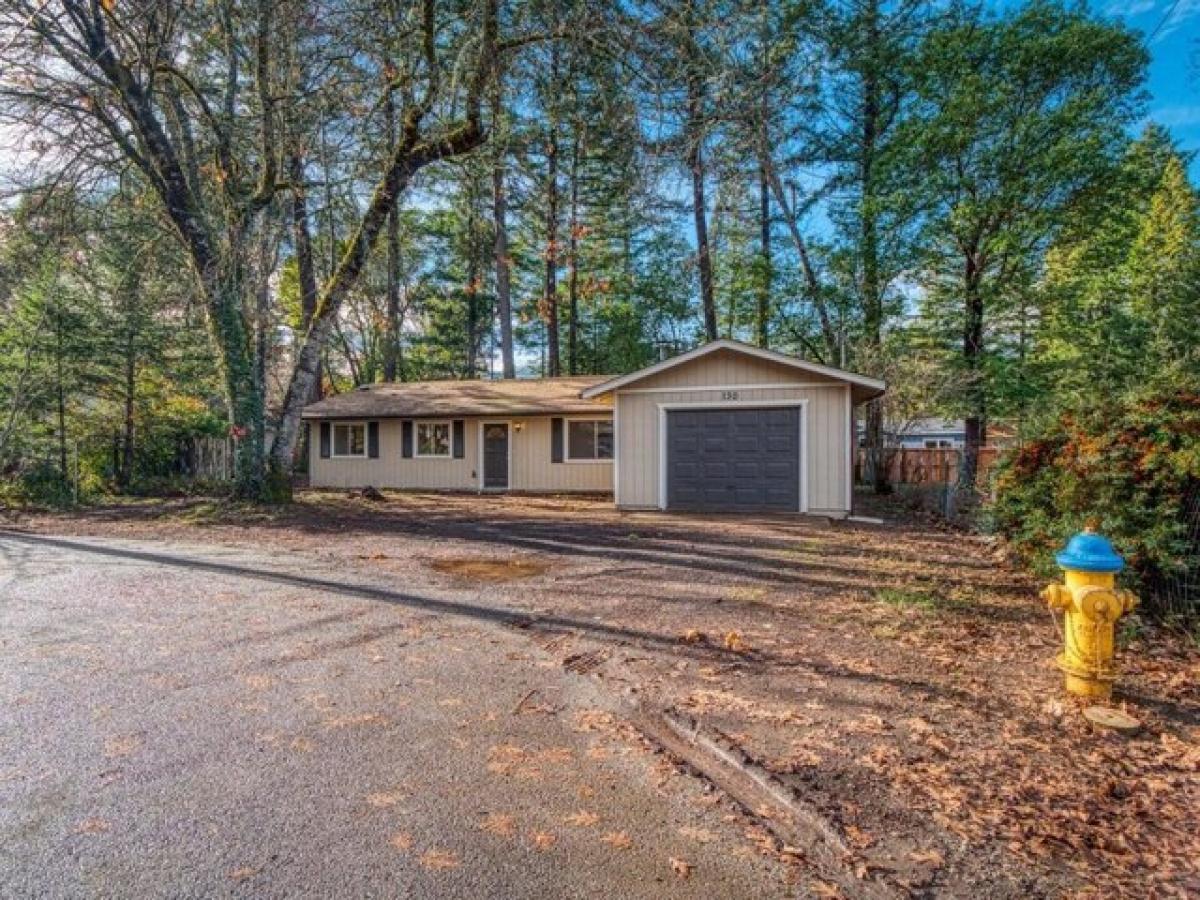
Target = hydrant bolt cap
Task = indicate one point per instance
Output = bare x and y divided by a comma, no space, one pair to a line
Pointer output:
1090,552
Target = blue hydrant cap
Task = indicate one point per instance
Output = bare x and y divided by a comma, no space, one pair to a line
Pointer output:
1090,552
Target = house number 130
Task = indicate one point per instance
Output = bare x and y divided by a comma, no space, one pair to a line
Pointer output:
729,395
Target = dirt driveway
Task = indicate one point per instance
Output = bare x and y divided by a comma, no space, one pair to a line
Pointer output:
899,676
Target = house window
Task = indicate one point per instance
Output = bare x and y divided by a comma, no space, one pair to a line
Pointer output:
589,440
350,439
433,440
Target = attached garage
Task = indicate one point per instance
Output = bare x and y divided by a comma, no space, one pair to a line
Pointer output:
729,427
735,459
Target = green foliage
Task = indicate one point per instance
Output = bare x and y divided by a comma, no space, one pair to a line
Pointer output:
97,350
1129,468
1122,281
1019,120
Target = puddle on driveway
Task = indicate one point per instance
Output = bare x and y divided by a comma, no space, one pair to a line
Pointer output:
484,569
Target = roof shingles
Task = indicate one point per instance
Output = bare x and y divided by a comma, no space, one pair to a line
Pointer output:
424,399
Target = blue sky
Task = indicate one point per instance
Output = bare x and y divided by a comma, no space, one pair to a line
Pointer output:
1174,82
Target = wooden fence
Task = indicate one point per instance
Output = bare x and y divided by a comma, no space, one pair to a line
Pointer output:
916,465
209,459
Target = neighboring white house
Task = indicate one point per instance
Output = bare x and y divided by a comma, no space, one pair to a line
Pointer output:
929,433
724,427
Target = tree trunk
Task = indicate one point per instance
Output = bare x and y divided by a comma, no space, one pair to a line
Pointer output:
695,162
391,345
573,259
872,289
812,282
472,292
976,397
125,472
550,298
503,263
61,397
302,241
762,318
403,166
414,151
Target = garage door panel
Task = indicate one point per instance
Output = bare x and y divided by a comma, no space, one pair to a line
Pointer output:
745,443
734,459
715,468
778,470
748,470
779,443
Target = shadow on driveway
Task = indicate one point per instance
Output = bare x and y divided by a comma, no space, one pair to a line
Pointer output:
499,615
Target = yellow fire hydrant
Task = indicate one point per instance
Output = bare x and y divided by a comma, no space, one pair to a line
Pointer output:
1090,603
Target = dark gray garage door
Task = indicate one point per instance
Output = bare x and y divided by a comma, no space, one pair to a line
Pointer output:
733,459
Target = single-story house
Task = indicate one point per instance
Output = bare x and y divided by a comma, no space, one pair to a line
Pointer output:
725,427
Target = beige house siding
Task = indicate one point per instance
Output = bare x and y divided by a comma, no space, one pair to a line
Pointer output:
531,469
826,422
728,367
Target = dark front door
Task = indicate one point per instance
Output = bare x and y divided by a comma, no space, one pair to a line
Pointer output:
495,456
740,460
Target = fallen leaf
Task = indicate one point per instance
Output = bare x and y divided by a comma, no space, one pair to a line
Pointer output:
858,837
499,823
384,799
543,840
258,682
681,867
618,840
401,840
348,721
929,857
439,859
121,745
735,642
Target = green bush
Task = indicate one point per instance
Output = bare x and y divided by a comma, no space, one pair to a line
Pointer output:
38,484
1129,468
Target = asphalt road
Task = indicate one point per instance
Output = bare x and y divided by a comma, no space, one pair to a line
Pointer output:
191,721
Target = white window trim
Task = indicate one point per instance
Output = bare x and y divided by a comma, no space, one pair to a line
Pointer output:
417,454
802,462
566,439
333,427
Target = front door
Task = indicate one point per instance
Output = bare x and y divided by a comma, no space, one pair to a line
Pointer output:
495,456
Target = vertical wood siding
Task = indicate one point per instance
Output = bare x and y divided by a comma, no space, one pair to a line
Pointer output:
827,449
726,367
531,466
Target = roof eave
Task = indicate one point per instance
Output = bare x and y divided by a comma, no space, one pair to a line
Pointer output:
874,386
598,409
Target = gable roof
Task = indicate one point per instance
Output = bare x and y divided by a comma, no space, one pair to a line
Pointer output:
870,387
426,399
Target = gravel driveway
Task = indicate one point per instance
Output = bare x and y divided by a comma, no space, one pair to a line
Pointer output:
899,677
